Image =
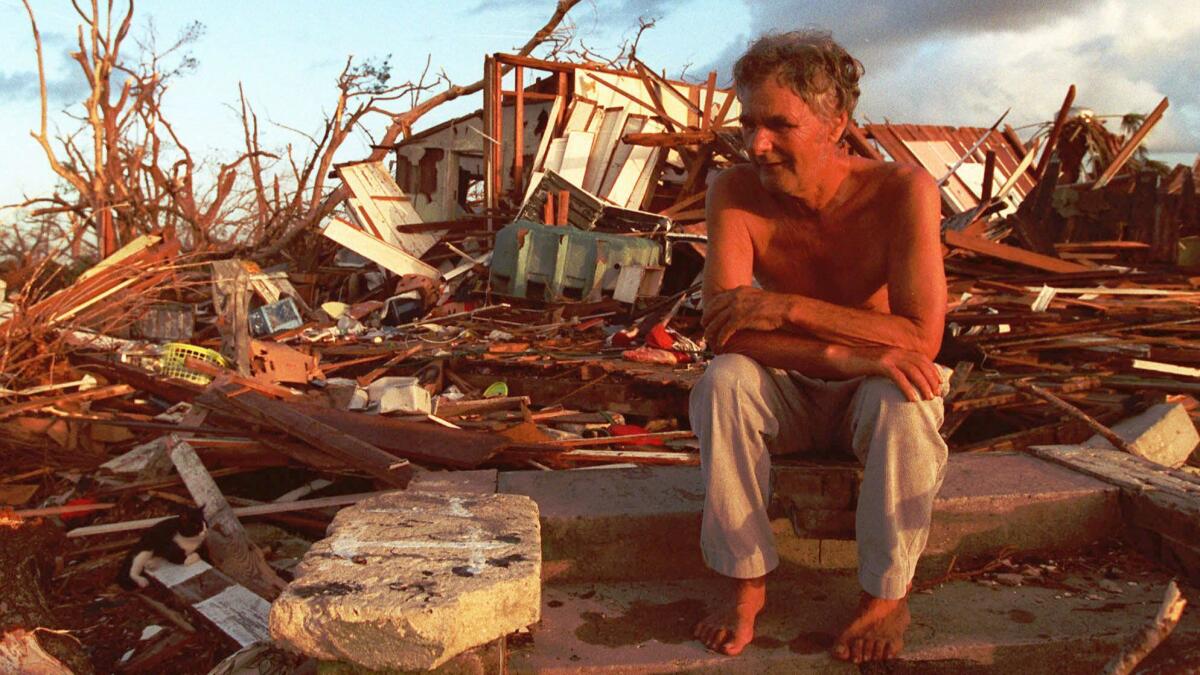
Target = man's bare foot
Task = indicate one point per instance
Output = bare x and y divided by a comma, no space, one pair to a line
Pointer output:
877,633
731,628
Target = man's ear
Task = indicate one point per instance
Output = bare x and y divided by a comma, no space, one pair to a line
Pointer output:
838,129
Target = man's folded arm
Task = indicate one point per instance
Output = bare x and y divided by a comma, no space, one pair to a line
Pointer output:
914,374
835,324
778,349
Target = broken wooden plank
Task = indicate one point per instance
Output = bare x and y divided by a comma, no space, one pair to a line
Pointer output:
1011,254
1131,145
97,394
482,405
1165,502
274,362
289,419
126,252
630,456
60,510
390,257
239,511
381,201
237,613
227,542
223,377
413,440
632,439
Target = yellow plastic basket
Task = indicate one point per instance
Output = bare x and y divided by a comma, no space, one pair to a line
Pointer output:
174,361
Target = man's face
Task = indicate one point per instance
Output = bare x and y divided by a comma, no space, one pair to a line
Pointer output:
788,143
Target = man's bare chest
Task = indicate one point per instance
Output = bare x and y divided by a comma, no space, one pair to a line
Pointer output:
845,265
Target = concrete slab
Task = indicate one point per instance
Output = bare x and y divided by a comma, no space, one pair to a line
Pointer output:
1163,434
992,500
644,523
408,580
962,627
639,523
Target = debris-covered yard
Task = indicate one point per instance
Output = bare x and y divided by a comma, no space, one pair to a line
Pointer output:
513,290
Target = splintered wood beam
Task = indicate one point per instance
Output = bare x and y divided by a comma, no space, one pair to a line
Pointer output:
1139,646
1011,254
684,204
648,106
989,175
1067,408
1055,132
231,303
386,467
518,170
239,511
1131,145
858,142
648,73
227,542
97,394
719,119
709,92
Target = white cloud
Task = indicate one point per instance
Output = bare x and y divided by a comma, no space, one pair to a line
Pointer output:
949,62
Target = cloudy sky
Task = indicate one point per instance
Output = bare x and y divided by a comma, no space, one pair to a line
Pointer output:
932,61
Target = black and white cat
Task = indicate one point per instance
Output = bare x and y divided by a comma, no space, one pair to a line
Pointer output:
174,539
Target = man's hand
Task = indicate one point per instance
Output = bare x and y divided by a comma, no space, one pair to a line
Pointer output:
742,308
912,372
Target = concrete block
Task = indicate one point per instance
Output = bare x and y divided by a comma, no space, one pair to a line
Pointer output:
644,523
1163,434
992,500
794,551
407,580
486,660
640,523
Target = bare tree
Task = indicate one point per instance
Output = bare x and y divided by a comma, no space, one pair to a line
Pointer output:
127,172
401,125
116,164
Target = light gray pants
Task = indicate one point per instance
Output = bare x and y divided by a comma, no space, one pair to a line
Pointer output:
743,412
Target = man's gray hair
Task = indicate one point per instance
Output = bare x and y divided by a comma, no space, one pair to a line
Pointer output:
818,69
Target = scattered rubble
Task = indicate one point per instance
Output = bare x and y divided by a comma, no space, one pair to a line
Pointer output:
519,289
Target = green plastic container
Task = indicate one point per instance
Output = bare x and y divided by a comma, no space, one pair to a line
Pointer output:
533,260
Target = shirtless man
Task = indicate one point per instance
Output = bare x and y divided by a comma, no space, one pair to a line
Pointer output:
835,349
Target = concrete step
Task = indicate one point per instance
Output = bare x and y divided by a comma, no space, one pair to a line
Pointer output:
960,627
644,523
